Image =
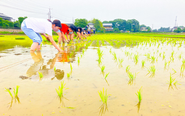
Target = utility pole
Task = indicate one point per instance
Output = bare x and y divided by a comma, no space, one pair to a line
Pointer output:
176,22
49,14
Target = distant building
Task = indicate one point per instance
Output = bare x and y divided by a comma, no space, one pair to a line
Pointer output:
92,26
5,17
174,28
108,26
143,29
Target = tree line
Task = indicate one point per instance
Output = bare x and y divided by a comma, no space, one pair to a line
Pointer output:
11,25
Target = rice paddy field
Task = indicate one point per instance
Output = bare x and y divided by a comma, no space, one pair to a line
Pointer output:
103,75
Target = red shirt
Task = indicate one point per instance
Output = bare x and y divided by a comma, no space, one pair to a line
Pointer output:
64,28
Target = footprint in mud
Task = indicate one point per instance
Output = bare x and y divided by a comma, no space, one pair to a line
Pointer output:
18,54
23,77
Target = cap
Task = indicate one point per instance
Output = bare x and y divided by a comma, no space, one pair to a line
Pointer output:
57,23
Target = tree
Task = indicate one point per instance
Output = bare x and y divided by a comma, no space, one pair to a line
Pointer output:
116,30
148,29
178,30
17,24
81,22
5,24
98,25
183,30
1,21
20,19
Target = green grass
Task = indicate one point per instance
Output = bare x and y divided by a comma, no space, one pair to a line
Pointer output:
60,90
103,95
139,95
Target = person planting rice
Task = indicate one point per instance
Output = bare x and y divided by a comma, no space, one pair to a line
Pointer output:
80,30
64,30
73,29
33,26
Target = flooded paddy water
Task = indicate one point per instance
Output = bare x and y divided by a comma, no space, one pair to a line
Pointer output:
118,63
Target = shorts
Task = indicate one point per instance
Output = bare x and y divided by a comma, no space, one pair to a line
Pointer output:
89,32
31,33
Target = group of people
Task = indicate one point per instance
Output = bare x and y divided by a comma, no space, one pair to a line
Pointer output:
33,27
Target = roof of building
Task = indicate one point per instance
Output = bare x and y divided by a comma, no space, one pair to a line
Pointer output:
107,24
5,17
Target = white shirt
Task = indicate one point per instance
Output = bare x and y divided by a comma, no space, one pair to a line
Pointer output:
39,25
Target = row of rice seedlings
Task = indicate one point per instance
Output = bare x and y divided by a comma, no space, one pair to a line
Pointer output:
15,91
100,54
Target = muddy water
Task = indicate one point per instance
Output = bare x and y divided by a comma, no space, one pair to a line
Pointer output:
38,97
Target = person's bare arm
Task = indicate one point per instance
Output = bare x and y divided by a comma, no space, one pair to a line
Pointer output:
79,35
54,43
60,37
45,36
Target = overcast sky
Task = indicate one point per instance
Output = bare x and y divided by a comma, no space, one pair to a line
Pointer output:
153,13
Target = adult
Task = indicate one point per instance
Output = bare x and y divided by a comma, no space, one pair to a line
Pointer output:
33,26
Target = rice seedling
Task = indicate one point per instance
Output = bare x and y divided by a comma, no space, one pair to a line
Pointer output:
102,68
120,61
60,90
180,56
9,92
68,75
71,67
139,95
160,54
164,56
143,63
153,59
15,91
171,80
136,57
148,56
127,68
131,76
183,62
83,51
174,71
78,60
110,50
54,68
115,57
103,95
152,70
106,75
40,75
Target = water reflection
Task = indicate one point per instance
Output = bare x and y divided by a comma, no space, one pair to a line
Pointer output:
103,109
16,100
47,69
138,106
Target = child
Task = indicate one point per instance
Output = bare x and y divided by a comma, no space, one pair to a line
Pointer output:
73,29
33,26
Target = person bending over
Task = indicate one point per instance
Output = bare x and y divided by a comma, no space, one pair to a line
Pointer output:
33,26
73,29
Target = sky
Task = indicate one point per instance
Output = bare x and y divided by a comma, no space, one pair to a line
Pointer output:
153,13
